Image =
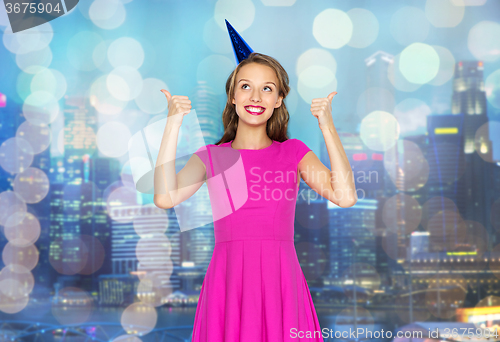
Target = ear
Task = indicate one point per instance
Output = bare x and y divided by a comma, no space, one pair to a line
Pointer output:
233,101
278,103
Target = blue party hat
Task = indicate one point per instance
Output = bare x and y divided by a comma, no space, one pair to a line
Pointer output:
240,47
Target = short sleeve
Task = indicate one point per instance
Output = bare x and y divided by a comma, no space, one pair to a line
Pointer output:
300,150
202,152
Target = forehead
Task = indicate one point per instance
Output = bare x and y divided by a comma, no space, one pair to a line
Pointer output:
257,72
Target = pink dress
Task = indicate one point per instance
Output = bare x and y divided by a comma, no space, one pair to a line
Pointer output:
254,288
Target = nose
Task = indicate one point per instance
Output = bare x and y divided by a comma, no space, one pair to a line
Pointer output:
255,97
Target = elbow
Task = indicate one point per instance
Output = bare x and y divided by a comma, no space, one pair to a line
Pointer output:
160,203
345,202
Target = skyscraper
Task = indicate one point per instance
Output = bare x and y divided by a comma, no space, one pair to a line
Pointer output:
469,99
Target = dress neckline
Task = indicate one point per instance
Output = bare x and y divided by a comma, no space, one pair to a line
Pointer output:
248,149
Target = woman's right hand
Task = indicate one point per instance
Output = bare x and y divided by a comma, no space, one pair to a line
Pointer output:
177,104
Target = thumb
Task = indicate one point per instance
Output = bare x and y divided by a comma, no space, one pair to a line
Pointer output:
331,95
167,94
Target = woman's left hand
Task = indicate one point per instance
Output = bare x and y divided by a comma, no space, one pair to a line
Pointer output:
322,110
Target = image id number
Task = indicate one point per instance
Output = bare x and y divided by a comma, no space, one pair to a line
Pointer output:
32,8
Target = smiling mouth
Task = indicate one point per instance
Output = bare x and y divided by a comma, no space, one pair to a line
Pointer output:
255,110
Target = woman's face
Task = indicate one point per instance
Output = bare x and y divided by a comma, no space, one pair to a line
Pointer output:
256,93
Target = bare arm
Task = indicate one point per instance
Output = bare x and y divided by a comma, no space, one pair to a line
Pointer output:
337,185
170,188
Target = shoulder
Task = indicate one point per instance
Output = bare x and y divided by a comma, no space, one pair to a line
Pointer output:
297,147
203,152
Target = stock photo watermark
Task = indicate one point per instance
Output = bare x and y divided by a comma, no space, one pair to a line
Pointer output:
362,333
265,185
24,14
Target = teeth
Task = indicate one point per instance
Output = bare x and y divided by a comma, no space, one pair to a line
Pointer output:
255,110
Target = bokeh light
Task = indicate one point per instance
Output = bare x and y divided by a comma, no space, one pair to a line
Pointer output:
16,155
107,14
34,39
22,229
124,83
153,250
240,13
11,305
51,81
316,70
68,255
406,165
23,84
278,2
419,63
41,108
482,142
447,231
71,305
483,41
11,203
139,319
145,227
365,27
81,49
151,100
446,66
434,205
25,256
16,281
379,130
468,2
34,61
96,254
401,212
492,88
102,100
151,294
126,51
397,79
444,13
39,137
118,202
112,139
332,28
32,185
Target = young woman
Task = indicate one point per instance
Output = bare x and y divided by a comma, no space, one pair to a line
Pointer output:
254,288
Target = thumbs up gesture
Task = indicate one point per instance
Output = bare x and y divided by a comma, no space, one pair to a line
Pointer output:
177,104
321,109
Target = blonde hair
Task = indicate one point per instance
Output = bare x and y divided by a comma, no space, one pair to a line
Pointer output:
277,125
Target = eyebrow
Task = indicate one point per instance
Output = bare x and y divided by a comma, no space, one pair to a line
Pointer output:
244,79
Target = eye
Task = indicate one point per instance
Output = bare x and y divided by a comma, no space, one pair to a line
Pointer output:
246,85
